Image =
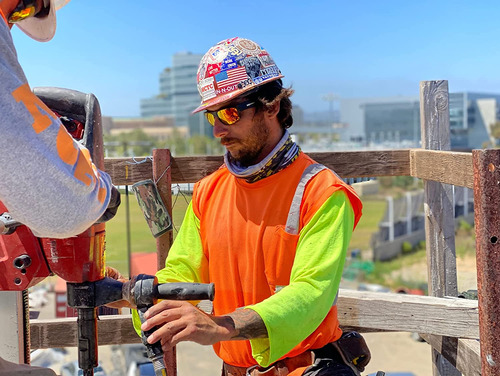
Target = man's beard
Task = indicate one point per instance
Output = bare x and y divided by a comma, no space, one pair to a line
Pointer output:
251,147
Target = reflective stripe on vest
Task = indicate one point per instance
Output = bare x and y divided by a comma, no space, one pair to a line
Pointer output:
292,222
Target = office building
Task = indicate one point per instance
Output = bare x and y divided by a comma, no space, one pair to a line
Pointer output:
352,114
178,94
396,121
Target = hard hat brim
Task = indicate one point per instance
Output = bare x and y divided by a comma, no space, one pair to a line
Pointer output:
42,29
221,99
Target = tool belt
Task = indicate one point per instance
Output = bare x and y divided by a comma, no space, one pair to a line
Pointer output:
282,367
350,349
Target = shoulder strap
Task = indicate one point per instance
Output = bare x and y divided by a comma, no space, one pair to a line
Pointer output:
292,223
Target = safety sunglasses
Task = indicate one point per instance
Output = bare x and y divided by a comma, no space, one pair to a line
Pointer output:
228,115
24,9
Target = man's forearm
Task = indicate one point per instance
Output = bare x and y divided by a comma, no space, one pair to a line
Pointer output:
245,324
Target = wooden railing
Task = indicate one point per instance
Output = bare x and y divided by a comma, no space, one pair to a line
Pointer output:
452,326
364,311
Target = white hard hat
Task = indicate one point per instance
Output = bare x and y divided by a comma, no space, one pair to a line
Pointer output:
43,28
232,67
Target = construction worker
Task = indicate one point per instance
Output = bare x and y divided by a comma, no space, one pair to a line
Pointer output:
270,228
47,180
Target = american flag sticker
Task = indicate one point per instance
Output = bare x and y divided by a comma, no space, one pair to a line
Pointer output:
231,77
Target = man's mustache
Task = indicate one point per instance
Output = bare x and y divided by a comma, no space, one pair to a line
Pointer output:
227,140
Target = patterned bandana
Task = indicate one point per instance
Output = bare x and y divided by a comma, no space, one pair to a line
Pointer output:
283,154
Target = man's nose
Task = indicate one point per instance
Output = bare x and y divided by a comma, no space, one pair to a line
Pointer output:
220,130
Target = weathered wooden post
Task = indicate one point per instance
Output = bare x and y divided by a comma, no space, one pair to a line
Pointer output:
487,226
162,175
163,178
438,205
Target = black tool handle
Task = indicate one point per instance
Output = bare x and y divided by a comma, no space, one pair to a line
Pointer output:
185,291
154,351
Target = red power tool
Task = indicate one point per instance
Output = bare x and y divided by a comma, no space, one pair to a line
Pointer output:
26,260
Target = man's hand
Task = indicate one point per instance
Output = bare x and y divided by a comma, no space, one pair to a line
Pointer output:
179,321
115,274
114,203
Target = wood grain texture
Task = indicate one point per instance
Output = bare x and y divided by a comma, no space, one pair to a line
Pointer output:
435,115
464,354
438,205
63,332
409,313
349,164
162,177
126,171
442,166
360,310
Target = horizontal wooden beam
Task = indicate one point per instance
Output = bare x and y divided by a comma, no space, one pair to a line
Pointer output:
463,354
352,164
443,166
127,171
349,164
359,310
112,330
452,317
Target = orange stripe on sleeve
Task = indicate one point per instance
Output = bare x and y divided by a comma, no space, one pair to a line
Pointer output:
84,171
3,16
24,95
102,194
65,147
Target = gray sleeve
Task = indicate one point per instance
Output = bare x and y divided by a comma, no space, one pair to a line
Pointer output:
47,180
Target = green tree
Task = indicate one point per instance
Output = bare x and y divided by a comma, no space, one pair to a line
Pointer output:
176,142
133,143
199,144
204,145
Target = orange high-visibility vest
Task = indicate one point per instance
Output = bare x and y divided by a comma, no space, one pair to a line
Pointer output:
250,254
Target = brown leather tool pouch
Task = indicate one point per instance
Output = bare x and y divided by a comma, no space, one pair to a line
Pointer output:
353,350
283,367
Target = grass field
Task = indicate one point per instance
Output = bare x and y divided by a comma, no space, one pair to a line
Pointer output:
373,212
141,239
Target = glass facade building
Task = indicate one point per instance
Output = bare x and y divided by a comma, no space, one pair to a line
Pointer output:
392,122
471,118
178,94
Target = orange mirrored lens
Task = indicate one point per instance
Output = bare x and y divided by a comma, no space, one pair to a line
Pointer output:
210,118
229,115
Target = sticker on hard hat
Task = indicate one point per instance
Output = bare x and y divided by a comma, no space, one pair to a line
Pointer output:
266,60
212,69
217,55
229,63
247,46
230,77
207,88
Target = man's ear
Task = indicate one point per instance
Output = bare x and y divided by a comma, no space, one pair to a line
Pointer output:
273,110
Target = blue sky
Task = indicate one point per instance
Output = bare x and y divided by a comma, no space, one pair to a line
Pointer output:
116,49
